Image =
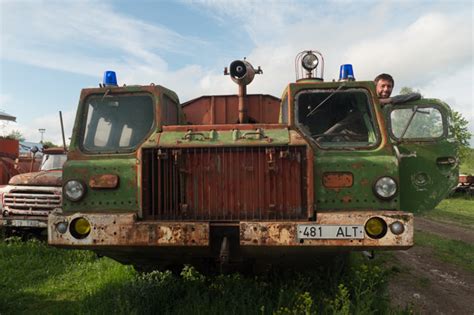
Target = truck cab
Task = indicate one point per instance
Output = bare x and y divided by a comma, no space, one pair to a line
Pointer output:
28,198
333,171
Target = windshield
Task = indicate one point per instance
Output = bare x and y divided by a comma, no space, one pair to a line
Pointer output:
117,123
337,118
52,161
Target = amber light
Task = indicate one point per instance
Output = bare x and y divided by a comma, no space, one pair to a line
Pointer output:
376,227
80,228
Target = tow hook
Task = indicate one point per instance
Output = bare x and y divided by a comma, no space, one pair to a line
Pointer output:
224,253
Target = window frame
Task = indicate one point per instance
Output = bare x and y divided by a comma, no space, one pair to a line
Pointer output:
344,145
125,150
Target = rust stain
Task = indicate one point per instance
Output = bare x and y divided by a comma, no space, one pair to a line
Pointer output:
364,182
338,179
346,199
103,181
357,165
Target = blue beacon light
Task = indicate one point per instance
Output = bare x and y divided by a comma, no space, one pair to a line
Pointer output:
110,78
346,73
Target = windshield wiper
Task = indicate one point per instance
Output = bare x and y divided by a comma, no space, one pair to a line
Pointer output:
324,101
415,110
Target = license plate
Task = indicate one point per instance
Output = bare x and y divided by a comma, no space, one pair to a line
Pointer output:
313,231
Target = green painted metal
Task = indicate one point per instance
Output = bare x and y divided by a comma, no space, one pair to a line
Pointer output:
366,167
123,198
236,137
425,180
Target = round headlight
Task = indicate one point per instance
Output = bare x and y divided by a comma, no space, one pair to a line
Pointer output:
80,228
385,187
376,227
61,227
310,61
397,227
74,190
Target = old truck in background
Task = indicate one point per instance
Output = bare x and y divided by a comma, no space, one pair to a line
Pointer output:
229,179
28,198
12,163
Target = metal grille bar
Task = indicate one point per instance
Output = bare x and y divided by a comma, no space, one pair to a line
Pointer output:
224,184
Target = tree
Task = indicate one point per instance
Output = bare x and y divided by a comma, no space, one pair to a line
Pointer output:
461,133
49,144
16,134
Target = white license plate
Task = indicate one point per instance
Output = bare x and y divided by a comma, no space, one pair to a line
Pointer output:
314,231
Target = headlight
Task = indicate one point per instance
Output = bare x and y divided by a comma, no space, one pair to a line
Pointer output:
397,227
376,227
385,187
80,228
74,190
310,61
61,227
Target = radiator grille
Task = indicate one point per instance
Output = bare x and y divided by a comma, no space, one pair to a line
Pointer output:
224,184
30,202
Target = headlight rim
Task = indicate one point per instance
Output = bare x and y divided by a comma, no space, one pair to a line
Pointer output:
303,64
71,198
374,188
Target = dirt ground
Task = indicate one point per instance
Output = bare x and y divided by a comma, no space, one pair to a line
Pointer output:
427,285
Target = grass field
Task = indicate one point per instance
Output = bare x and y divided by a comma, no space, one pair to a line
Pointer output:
38,279
451,251
458,210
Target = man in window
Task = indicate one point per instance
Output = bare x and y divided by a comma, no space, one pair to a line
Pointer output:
384,84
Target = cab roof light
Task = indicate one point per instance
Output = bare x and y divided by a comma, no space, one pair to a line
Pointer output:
346,73
110,78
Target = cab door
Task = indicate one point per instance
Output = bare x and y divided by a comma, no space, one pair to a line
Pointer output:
426,150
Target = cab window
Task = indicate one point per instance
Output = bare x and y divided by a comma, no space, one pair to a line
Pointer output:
416,122
337,118
116,123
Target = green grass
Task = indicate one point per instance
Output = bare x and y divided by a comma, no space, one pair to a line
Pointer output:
451,251
459,210
35,278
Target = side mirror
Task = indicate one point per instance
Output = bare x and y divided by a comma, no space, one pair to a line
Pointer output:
34,149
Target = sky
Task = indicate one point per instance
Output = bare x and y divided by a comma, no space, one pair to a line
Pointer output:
50,50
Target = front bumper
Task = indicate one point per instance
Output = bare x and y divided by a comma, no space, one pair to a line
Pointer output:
24,222
125,230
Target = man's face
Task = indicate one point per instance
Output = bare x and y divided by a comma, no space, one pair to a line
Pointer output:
384,88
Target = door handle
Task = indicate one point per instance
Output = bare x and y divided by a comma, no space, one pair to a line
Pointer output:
446,160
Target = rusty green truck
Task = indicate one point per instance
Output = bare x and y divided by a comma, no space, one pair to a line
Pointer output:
324,168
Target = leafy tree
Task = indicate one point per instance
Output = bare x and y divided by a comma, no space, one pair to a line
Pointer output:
408,90
49,144
16,134
461,133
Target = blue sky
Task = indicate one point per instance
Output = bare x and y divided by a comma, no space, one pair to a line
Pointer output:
49,50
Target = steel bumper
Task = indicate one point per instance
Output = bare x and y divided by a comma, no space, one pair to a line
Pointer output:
124,229
23,222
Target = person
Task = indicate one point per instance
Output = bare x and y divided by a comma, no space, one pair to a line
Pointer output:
384,84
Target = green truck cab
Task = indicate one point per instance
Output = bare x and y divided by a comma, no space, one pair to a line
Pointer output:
331,170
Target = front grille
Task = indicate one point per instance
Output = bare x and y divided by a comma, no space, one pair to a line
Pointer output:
224,184
31,201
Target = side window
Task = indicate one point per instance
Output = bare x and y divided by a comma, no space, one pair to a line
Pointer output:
418,122
169,111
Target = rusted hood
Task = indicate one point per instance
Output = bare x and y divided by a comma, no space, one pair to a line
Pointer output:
43,178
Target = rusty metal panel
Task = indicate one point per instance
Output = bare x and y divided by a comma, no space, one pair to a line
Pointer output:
124,229
103,181
225,183
338,179
223,109
285,233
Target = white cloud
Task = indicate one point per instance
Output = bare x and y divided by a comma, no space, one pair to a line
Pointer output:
50,122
